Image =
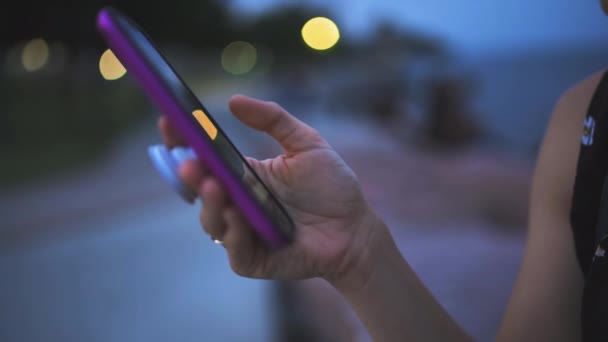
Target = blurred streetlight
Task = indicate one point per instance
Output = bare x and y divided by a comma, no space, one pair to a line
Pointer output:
110,67
239,58
35,55
320,33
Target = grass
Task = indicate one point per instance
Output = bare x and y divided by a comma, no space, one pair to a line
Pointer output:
52,124
25,165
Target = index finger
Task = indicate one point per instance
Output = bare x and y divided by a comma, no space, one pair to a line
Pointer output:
171,137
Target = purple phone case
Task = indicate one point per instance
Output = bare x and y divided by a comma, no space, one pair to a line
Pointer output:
153,87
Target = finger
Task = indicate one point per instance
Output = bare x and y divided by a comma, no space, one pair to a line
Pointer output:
215,200
241,243
171,136
192,172
292,134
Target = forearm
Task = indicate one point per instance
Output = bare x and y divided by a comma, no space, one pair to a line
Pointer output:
393,304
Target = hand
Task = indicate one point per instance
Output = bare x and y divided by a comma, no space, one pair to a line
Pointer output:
333,221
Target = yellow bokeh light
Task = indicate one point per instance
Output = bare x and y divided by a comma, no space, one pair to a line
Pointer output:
35,55
239,58
110,67
320,33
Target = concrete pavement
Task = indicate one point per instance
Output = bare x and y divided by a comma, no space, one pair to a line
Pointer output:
109,253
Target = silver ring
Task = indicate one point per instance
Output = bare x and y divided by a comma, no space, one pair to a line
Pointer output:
218,242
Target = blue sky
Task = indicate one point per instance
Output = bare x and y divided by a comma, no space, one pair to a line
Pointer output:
474,27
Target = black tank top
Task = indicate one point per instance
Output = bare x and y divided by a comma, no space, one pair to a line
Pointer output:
589,215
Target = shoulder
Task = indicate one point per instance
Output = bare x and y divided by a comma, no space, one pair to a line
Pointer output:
549,286
557,158
577,98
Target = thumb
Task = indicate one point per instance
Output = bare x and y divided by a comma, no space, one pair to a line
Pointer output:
292,134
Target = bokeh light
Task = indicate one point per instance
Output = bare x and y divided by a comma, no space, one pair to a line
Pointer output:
320,33
110,67
239,58
35,55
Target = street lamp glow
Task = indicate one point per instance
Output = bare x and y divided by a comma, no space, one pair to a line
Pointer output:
35,55
110,67
320,33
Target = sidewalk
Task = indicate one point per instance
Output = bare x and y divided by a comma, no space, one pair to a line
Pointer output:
110,253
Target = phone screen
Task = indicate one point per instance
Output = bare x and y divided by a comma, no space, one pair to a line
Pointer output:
200,118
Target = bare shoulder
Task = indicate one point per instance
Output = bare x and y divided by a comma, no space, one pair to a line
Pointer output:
548,289
578,97
556,166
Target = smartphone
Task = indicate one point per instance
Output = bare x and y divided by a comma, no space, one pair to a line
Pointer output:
167,90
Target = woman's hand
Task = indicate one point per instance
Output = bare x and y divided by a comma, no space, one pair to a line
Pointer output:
333,221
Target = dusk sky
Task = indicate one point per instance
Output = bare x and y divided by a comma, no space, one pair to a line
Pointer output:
473,27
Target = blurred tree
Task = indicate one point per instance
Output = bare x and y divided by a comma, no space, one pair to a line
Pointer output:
280,30
204,23
73,22
388,37
65,104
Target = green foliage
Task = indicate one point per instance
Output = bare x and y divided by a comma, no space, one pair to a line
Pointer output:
280,30
56,120
198,24
49,124
73,22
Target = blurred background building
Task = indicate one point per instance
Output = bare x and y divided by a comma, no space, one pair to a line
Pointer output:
438,106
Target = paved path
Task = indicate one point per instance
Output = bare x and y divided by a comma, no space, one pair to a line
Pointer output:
109,253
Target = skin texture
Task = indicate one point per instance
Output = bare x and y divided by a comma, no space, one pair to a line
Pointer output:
342,240
318,189
545,305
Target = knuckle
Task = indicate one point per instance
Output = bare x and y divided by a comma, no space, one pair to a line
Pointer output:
241,268
277,110
275,105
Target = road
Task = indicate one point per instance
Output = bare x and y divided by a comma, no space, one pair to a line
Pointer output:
109,253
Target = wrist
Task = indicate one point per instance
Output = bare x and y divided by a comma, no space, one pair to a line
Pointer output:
370,241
